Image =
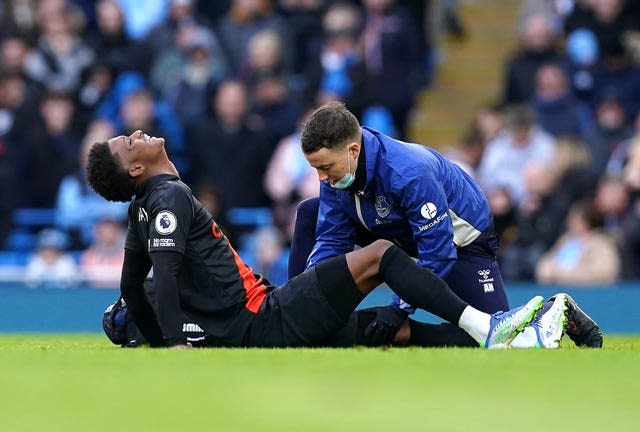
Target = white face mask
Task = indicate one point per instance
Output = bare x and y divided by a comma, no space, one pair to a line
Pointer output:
348,178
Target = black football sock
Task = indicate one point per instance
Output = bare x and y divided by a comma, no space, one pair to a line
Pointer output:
439,335
419,287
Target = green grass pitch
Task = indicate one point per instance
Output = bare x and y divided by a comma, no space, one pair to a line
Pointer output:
83,383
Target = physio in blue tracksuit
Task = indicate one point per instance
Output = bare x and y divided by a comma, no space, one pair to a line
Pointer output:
373,186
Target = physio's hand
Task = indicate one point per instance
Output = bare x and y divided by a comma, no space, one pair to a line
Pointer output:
384,327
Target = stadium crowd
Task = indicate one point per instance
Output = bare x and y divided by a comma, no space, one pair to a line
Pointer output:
228,83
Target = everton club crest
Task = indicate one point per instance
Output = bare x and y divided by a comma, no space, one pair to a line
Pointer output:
382,207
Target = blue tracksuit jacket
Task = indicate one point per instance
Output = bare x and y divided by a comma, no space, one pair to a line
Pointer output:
413,196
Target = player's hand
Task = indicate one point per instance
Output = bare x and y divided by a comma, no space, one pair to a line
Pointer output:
384,327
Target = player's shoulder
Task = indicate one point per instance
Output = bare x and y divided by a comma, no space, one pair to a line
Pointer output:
170,186
170,192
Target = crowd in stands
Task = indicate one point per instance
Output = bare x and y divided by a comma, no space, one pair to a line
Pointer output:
229,82
557,153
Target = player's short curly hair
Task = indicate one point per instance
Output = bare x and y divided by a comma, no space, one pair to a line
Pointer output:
106,176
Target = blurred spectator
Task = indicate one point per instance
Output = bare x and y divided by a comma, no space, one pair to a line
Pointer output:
556,10
507,154
583,52
558,112
550,191
264,58
14,51
490,121
630,247
606,19
101,263
394,52
213,10
580,15
51,266
228,154
17,106
194,60
628,169
182,13
538,46
611,129
243,20
78,208
275,109
504,212
60,57
617,74
583,255
184,76
142,15
612,200
57,139
453,24
289,179
211,200
19,18
265,254
6,192
339,71
113,48
96,85
267,80
625,158
487,122
304,20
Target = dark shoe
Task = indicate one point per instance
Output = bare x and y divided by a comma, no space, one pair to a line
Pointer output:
580,327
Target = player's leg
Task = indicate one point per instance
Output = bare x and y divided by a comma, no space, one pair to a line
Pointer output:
383,261
414,333
304,235
434,335
411,333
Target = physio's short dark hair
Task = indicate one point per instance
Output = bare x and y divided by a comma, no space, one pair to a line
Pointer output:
330,126
106,176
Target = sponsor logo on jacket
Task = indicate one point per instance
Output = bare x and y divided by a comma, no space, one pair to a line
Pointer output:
429,212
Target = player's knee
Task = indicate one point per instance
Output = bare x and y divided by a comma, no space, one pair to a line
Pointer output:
379,247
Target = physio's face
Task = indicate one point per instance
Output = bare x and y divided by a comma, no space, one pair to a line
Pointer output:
137,147
333,164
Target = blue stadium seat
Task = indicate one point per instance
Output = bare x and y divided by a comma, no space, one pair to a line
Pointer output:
27,222
13,258
34,217
249,216
21,240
